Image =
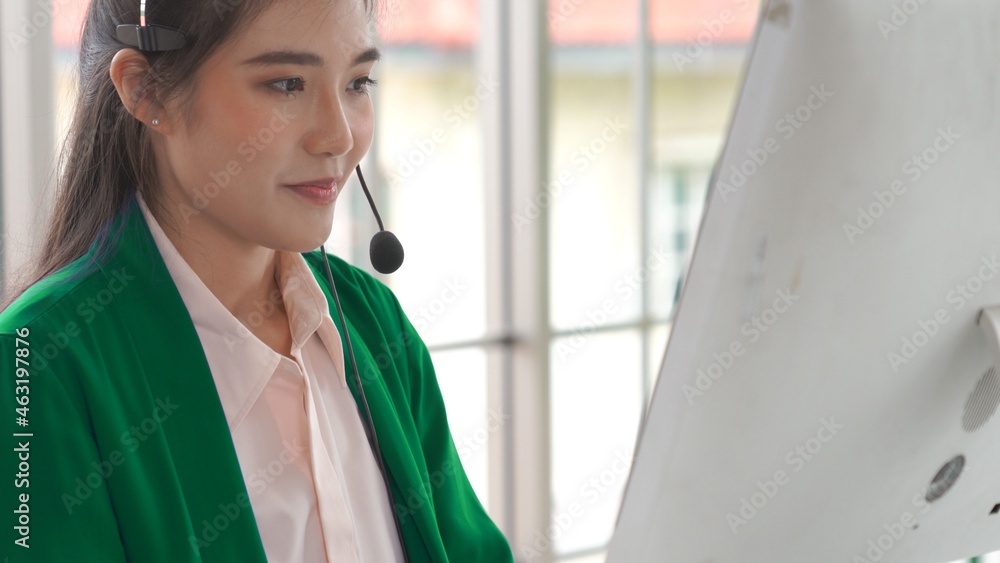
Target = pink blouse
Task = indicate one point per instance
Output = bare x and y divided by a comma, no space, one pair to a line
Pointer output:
314,487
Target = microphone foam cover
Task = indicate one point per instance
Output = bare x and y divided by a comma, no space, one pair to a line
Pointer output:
386,252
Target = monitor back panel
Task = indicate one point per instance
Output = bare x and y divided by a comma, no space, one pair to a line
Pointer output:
825,366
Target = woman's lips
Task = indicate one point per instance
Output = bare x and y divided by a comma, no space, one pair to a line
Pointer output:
317,195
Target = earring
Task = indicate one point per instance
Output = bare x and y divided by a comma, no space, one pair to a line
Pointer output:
155,122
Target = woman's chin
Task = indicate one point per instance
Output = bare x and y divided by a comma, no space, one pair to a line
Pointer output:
306,243
306,232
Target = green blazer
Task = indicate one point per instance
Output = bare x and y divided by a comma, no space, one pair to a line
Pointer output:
115,447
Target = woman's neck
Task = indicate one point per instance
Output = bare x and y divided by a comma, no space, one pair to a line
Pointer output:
240,275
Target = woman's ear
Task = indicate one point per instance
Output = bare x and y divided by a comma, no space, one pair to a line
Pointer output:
130,72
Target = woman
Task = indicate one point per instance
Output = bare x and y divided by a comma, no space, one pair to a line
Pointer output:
179,385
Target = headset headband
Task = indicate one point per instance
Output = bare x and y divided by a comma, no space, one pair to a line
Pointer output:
150,37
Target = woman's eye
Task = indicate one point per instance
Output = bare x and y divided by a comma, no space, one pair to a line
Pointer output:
289,85
363,85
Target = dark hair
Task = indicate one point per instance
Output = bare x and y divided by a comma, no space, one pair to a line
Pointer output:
107,154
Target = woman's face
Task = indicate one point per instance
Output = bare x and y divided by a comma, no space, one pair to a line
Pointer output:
283,103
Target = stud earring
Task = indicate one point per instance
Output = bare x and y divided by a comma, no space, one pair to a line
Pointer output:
155,122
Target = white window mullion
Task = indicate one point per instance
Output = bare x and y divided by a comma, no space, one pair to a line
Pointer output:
516,143
642,107
27,126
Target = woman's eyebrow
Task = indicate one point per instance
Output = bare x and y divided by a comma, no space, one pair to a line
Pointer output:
306,58
370,55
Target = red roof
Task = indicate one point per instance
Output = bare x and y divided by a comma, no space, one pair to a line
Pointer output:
455,23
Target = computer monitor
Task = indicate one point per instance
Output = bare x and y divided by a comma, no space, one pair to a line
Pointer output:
828,392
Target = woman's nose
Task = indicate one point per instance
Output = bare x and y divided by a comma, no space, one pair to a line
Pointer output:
331,133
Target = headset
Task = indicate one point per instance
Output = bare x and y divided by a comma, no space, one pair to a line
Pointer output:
386,255
385,250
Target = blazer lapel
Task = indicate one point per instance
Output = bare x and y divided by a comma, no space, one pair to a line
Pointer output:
201,448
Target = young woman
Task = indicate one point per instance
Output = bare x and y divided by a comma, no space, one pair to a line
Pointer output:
178,386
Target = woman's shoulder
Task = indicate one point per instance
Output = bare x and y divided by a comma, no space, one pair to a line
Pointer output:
350,278
61,297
